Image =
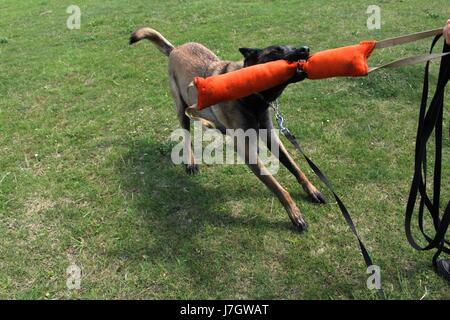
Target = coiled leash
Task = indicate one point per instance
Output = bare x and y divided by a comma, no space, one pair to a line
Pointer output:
430,119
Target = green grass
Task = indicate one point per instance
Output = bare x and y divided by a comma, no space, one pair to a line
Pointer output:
86,176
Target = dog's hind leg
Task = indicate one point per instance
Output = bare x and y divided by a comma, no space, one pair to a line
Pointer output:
250,153
274,144
191,166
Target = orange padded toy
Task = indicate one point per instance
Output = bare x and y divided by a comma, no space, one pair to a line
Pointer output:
340,62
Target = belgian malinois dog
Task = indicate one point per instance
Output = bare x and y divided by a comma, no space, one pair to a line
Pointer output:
195,60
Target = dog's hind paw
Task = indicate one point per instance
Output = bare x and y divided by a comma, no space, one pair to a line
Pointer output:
192,169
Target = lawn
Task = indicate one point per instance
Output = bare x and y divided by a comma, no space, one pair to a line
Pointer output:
86,176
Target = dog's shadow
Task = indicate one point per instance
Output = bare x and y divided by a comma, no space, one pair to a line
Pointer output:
175,209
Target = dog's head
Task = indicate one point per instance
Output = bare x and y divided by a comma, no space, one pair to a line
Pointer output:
253,56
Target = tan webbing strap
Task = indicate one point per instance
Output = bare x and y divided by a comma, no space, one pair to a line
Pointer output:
410,61
407,38
192,113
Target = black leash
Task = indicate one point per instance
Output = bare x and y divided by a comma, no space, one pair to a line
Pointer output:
285,131
430,119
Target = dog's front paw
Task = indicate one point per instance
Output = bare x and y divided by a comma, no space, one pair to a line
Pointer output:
192,169
318,197
315,195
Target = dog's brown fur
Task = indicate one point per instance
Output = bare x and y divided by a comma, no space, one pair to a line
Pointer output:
195,60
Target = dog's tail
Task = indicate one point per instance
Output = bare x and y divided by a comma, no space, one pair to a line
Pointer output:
154,36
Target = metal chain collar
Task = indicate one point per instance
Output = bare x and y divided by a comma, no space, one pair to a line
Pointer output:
275,105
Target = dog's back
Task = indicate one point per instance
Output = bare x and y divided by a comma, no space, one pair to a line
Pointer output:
186,62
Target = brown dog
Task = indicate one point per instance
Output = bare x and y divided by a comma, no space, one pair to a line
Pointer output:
195,60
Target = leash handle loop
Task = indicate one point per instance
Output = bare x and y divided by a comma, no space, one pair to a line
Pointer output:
430,119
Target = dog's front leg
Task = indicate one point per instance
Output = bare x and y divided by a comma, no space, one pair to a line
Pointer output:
249,154
277,148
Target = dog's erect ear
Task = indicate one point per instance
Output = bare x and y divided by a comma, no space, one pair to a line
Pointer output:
249,52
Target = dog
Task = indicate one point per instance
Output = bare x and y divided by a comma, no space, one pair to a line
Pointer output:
192,60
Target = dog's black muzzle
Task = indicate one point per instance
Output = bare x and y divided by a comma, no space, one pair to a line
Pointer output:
301,53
